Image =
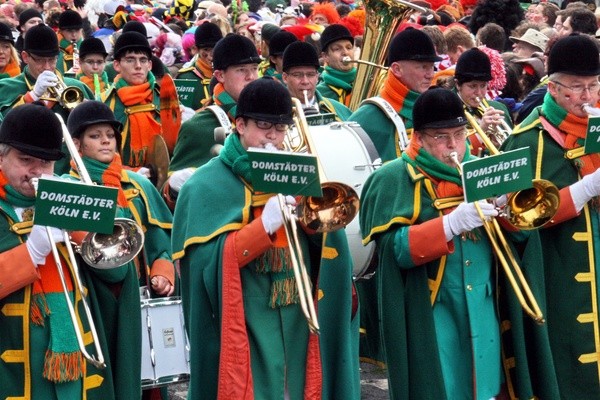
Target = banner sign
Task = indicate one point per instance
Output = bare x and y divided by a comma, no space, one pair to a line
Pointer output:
186,89
284,172
320,119
592,137
493,176
75,206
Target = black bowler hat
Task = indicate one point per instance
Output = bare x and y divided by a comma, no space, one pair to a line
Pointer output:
131,41
34,130
135,26
574,55
42,41
265,100
234,50
27,15
438,108
6,33
268,30
207,35
280,41
300,54
473,65
333,33
90,113
92,45
70,19
412,45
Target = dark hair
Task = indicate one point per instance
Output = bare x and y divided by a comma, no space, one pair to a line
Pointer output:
513,88
583,21
506,13
493,36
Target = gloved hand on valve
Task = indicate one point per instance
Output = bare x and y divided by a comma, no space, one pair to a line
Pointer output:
272,218
585,189
465,218
44,81
39,244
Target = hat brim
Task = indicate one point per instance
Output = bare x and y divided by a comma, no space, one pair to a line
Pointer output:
37,152
125,49
43,53
449,123
426,58
589,72
117,126
473,77
326,45
276,119
249,60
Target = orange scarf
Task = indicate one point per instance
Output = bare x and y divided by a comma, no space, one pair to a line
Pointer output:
105,174
204,68
89,82
576,129
12,68
142,125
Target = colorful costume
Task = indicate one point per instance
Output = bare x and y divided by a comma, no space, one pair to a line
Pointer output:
248,335
65,56
202,72
337,85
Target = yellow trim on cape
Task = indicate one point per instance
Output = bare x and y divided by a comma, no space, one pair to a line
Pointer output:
523,128
435,284
151,218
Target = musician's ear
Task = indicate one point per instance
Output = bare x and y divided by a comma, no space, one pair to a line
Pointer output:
77,143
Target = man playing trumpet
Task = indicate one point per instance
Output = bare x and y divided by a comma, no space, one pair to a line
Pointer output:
555,133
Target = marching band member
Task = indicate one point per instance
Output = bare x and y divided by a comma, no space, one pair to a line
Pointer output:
435,274
136,98
206,37
40,358
96,134
337,77
555,133
248,335
472,74
277,46
70,36
301,74
93,59
39,54
235,63
411,57
27,20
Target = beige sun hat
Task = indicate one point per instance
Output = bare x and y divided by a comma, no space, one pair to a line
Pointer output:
533,37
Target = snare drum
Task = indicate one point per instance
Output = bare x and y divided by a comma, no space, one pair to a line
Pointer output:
165,346
348,155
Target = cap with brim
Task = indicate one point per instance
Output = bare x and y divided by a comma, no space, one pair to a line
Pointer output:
90,113
333,33
574,55
265,100
42,41
27,15
6,33
412,45
533,37
207,35
300,54
473,65
234,50
438,108
92,45
70,19
131,41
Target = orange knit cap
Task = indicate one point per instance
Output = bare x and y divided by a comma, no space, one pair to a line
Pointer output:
328,10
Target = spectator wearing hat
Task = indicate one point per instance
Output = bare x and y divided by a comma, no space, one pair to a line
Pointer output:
532,41
231,344
40,54
9,59
70,36
235,65
49,362
92,57
135,98
301,74
206,37
411,58
97,134
555,134
471,77
27,20
422,280
338,76
277,45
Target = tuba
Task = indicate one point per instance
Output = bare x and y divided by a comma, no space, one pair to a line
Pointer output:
382,20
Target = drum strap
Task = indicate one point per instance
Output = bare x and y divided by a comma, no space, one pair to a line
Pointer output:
393,116
221,116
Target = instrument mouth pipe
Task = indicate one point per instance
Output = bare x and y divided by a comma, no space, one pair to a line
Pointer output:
348,60
591,111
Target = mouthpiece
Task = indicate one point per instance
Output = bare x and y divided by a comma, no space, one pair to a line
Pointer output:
591,111
346,60
270,147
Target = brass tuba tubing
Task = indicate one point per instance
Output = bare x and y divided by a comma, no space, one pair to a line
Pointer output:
348,60
492,228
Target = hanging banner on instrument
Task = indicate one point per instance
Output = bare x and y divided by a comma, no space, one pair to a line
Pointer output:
186,89
320,119
284,172
75,206
493,176
592,137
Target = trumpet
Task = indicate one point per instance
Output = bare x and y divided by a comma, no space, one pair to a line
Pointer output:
123,246
67,96
500,132
492,228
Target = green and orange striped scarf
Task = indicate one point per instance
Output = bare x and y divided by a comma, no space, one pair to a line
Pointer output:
400,97
104,174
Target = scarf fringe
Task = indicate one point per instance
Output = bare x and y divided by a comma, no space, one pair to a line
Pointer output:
274,260
39,309
64,367
284,292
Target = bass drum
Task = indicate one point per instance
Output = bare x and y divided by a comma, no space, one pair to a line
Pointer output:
348,155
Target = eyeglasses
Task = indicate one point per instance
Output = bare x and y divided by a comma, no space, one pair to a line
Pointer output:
43,60
94,62
447,138
300,75
133,60
268,125
579,89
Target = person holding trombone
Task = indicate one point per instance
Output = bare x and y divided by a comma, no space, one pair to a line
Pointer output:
436,277
40,355
248,335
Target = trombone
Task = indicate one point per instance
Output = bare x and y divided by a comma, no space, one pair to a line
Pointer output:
128,246
492,228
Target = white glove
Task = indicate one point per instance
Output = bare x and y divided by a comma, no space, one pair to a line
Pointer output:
272,218
583,190
178,178
145,172
186,113
39,245
465,218
45,80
